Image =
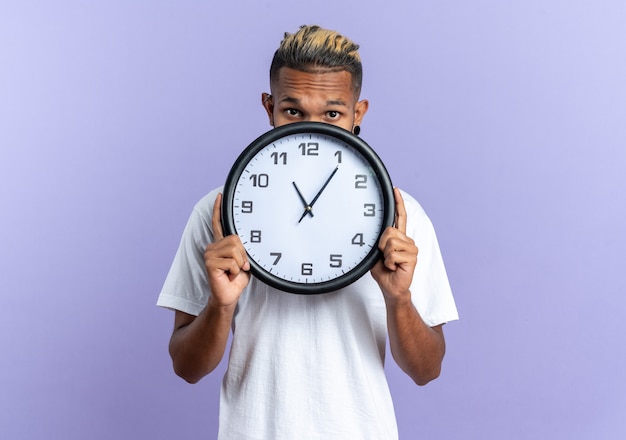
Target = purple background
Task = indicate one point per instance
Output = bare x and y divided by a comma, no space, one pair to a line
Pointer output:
507,120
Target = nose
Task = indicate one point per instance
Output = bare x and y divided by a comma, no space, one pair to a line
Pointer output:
312,118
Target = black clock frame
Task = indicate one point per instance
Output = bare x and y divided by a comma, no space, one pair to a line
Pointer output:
343,135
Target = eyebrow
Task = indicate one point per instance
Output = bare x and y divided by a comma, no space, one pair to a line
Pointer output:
330,102
337,102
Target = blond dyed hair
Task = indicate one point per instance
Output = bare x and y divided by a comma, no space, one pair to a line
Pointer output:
314,49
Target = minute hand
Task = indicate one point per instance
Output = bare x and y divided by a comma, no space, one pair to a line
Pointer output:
310,207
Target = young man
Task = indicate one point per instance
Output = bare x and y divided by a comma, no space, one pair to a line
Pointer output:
309,366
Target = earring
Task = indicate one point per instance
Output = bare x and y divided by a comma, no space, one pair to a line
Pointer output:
356,130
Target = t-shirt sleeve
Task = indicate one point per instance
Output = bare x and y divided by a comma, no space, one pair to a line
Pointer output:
430,287
186,287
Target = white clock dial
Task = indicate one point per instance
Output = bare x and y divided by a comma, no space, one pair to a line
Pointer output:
309,208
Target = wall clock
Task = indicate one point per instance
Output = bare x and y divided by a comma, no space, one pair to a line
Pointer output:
309,201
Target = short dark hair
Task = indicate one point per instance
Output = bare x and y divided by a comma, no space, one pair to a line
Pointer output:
313,49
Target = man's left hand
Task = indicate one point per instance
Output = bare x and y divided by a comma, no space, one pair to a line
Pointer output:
394,272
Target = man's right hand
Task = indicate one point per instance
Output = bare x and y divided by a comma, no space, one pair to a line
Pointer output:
226,263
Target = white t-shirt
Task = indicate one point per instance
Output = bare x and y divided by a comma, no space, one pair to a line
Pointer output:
308,366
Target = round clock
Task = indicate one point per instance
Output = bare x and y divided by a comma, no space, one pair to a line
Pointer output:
309,201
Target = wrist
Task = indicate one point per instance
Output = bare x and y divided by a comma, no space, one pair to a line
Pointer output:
398,300
218,306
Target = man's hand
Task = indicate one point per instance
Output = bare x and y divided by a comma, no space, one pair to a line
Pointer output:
417,348
226,263
198,343
394,272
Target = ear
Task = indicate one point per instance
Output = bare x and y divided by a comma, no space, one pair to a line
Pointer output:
268,103
359,111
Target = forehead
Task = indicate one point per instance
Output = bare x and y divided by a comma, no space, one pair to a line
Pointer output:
325,84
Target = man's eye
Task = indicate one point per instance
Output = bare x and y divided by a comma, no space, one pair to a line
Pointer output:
333,114
292,112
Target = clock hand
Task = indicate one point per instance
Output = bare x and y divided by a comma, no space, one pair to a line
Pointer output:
306,205
310,207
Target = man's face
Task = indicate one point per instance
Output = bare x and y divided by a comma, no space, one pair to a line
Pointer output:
324,96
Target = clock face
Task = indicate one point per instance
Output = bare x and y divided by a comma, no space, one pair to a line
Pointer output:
309,202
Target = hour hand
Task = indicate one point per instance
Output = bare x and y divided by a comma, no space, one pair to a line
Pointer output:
304,202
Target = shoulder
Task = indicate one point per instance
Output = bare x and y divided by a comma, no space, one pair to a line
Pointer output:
199,224
204,207
416,215
418,223
412,206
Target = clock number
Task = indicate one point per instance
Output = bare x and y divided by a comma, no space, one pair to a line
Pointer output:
279,157
360,181
338,154
370,209
307,269
260,180
358,239
255,236
309,148
246,207
278,255
335,260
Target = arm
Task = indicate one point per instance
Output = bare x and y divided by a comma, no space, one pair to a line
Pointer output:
417,348
198,343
